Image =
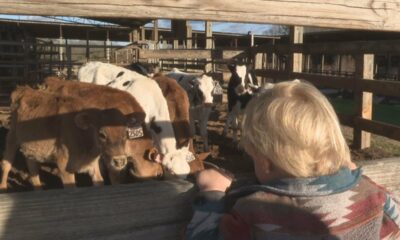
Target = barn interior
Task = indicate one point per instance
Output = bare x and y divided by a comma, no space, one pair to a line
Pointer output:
342,62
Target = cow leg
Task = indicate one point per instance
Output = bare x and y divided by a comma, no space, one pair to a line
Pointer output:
227,123
33,168
95,174
204,135
114,177
235,129
67,178
8,158
203,127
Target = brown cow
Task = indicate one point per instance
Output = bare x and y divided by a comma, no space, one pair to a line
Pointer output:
69,132
178,107
141,166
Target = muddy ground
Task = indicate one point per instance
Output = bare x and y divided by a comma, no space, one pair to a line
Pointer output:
224,153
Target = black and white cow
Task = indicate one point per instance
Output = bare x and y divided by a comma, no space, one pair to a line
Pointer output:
241,88
201,90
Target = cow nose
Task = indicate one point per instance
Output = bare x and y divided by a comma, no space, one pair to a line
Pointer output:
208,104
119,162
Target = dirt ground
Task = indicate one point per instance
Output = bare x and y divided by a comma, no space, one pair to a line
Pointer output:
224,153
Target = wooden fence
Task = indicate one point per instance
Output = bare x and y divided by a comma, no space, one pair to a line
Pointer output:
360,83
29,62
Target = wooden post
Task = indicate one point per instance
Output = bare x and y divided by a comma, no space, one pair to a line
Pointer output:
51,58
142,33
251,38
60,48
258,64
195,40
363,100
322,63
273,56
69,60
189,35
208,67
134,35
87,47
296,36
154,33
107,44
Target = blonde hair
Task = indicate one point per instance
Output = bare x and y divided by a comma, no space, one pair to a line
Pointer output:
295,127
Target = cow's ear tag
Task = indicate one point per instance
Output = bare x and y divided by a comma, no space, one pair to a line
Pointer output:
134,129
190,157
135,132
217,89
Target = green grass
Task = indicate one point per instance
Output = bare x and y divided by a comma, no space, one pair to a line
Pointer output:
380,112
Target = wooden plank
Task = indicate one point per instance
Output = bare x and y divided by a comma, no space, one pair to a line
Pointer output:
316,79
385,172
353,47
387,88
296,37
189,54
111,212
209,44
379,128
363,100
362,14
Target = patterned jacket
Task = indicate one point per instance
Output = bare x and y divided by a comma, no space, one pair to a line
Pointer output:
346,205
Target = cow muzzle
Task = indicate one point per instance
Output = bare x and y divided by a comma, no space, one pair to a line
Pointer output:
119,162
208,105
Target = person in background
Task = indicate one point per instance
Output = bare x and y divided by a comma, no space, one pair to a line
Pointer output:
308,186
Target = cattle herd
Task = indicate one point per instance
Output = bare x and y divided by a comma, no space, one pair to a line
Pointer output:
127,123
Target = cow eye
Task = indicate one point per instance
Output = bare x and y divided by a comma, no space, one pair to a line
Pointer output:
102,136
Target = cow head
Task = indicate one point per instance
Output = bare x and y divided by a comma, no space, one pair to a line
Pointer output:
177,162
111,129
242,78
145,165
206,86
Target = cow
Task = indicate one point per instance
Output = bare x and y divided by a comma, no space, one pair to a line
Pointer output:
178,106
199,89
69,132
242,84
150,97
140,163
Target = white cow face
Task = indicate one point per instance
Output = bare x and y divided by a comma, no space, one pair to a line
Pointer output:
206,85
177,162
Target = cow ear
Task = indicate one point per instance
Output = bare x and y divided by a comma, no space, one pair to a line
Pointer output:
203,156
82,121
153,155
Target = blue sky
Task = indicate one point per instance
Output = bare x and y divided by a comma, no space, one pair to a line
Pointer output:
197,25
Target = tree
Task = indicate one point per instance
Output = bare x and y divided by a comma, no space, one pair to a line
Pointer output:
277,30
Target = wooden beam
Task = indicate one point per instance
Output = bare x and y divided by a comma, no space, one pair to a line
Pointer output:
387,88
190,53
379,128
317,80
148,210
353,47
209,43
296,37
154,33
362,14
363,100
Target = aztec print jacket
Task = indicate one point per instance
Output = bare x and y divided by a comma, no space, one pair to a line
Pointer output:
346,205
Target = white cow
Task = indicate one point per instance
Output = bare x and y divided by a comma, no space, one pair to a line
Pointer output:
148,94
200,92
